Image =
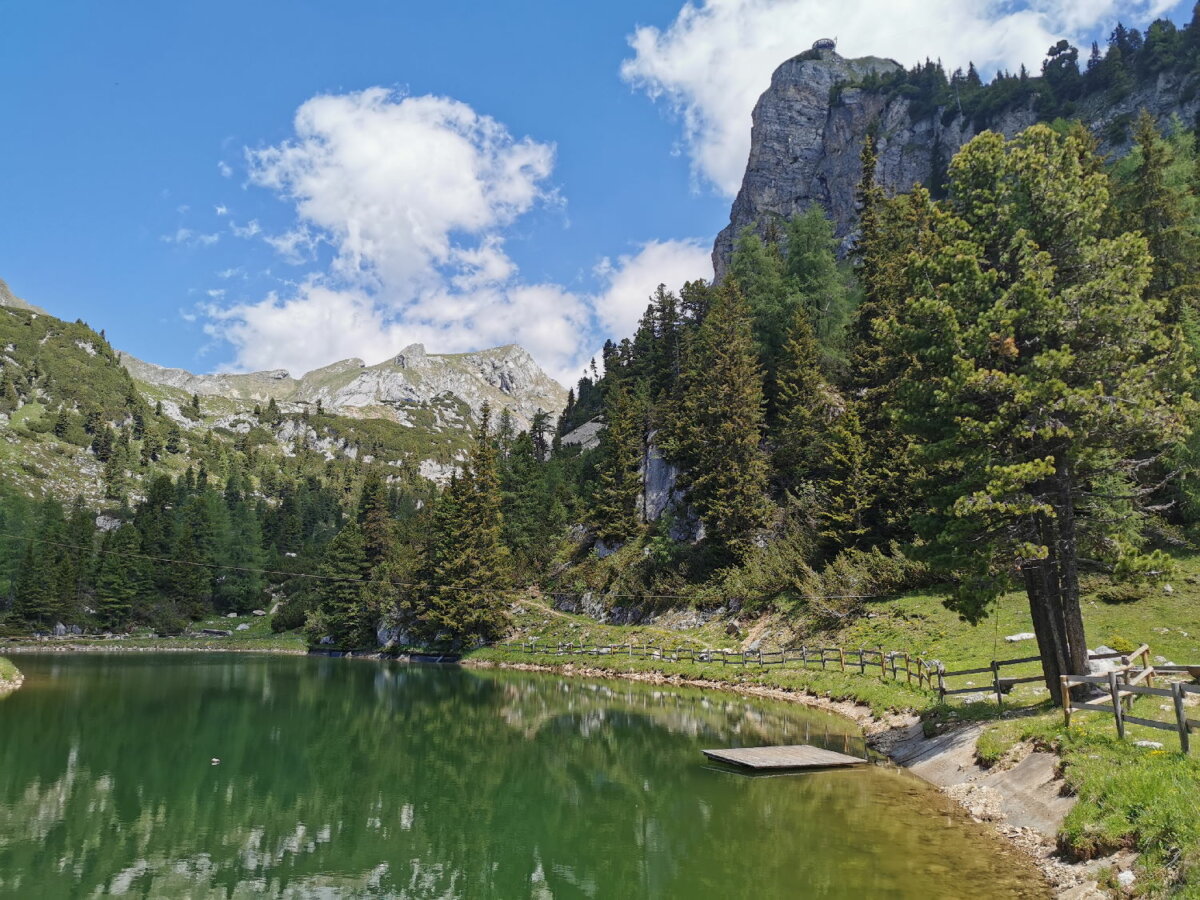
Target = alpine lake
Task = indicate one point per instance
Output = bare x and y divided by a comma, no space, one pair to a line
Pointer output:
163,775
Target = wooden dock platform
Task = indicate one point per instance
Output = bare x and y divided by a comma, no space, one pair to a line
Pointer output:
798,756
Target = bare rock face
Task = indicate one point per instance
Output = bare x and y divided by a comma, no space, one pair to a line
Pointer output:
809,126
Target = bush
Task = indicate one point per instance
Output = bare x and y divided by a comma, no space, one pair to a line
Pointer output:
1116,594
1121,644
290,615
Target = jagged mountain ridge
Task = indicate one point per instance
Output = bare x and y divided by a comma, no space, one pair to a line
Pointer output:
415,411
808,129
504,377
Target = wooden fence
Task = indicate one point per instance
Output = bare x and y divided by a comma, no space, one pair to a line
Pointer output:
1123,685
896,664
1001,685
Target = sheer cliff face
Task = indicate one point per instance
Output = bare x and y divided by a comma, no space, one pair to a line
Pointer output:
806,140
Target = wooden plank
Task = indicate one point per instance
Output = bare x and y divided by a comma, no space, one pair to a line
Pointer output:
987,669
1087,679
798,756
1149,723
982,689
1140,676
1141,690
1030,680
1093,707
1017,662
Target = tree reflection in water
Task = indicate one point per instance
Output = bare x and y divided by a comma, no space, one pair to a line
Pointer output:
354,778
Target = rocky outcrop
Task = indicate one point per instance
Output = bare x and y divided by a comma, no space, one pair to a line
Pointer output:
809,125
8,298
457,384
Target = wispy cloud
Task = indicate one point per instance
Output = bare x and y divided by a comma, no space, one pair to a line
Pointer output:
189,238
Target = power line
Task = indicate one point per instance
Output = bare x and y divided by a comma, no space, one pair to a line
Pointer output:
340,578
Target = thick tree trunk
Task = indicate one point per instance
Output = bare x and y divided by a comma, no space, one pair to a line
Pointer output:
1038,576
1068,562
1053,588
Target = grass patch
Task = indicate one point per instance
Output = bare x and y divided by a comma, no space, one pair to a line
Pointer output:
8,672
1130,797
257,637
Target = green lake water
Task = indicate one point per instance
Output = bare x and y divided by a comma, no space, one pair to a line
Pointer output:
345,778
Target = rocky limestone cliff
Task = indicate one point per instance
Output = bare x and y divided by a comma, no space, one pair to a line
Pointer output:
503,376
806,138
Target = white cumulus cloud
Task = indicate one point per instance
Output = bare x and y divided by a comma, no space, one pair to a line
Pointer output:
629,282
714,60
400,185
414,196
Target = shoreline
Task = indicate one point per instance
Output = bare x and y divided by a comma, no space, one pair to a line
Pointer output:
938,761
12,682
897,736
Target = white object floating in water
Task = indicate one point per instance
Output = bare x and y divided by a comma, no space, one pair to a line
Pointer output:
215,761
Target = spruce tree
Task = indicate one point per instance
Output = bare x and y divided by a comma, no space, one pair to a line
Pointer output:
621,452
466,571
717,427
43,581
1038,366
803,405
121,580
374,516
341,594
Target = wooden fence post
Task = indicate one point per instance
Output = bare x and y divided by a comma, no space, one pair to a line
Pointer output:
996,684
1115,692
1181,716
941,682
907,668
842,657
862,660
1066,697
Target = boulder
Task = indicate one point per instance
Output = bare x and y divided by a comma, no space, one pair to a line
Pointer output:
243,627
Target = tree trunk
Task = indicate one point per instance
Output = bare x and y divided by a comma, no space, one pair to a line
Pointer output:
1068,563
1038,576
1053,587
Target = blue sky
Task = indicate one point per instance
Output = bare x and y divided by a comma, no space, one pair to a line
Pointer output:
280,184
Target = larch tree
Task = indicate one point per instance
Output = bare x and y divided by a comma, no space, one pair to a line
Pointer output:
1039,381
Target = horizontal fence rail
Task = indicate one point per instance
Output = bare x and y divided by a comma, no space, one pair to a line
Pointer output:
895,664
1119,687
